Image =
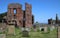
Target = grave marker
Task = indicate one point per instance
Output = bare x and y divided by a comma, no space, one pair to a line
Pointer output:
11,29
25,33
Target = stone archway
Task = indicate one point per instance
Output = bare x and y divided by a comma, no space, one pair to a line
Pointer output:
42,29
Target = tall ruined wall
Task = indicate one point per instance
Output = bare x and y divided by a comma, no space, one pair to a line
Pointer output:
21,18
18,15
28,14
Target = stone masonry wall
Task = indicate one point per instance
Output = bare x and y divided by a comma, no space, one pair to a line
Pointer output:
28,14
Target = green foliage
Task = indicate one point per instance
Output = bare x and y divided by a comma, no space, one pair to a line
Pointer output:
38,30
48,29
32,30
2,15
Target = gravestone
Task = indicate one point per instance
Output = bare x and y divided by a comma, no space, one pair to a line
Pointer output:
52,28
2,36
34,26
45,29
25,33
11,29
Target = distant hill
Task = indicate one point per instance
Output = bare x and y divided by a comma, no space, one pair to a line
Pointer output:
2,15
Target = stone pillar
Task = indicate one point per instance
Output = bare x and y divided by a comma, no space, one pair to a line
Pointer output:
19,16
28,14
12,13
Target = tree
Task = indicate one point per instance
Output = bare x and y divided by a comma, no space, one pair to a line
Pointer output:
2,15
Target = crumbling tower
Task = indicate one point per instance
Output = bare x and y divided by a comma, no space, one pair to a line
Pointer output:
22,18
18,17
28,15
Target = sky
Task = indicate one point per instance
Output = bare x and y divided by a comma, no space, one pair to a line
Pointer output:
41,9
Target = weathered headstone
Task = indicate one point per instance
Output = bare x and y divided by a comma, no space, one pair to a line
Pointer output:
45,29
25,33
52,28
2,36
34,26
11,29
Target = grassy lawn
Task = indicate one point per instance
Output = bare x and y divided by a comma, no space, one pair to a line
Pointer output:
52,34
18,34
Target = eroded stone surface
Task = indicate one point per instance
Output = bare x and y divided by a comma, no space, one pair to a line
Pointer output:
22,18
11,29
2,36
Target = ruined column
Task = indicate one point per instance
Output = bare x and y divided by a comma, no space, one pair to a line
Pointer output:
28,14
12,13
19,17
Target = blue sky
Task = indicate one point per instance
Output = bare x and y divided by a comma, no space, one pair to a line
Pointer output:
41,9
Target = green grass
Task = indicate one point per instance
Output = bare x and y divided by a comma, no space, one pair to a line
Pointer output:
52,34
32,34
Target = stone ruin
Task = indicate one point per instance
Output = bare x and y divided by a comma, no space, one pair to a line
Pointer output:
56,21
18,17
43,27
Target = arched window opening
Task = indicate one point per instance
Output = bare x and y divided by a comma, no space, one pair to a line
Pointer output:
14,11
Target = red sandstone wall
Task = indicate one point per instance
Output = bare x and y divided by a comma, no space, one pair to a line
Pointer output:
28,14
19,13
19,16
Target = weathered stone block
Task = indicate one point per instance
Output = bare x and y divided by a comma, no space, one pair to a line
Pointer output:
11,29
25,33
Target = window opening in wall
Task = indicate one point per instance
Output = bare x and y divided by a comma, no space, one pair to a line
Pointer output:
14,11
